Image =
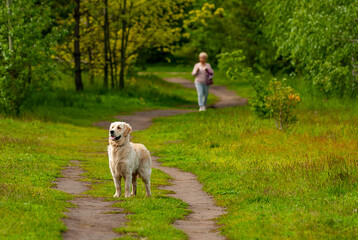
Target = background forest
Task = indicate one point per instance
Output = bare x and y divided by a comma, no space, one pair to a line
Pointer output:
105,41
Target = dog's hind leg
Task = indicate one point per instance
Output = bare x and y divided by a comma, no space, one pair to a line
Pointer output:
146,179
134,184
147,187
127,185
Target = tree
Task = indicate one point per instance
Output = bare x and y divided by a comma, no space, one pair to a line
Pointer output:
26,40
225,26
319,38
77,50
106,43
124,41
148,24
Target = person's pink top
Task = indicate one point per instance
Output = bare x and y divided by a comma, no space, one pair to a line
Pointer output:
199,72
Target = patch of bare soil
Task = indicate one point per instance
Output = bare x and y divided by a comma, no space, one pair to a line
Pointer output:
92,218
200,224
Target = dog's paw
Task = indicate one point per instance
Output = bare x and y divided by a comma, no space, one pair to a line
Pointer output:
117,195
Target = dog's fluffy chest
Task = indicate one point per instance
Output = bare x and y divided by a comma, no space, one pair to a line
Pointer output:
122,159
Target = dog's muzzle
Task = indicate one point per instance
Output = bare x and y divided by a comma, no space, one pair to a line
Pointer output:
115,138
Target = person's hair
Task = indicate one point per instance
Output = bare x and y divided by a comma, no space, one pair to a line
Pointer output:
203,54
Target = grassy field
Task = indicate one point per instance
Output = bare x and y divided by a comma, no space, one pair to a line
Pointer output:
60,102
275,185
298,185
56,127
32,154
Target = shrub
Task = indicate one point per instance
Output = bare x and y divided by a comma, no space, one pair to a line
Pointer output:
281,101
276,101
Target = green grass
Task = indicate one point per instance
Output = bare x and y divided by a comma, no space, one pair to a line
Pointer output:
56,127
32,155
242,87
297,185
60,102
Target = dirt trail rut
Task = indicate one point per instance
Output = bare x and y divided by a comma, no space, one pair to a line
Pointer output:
200,224
92,218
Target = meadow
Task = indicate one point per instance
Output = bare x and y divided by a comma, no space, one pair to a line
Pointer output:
300,184
59,102
54,128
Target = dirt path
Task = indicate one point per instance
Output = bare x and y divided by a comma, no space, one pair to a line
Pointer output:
92,218
227,98
95,219
200,224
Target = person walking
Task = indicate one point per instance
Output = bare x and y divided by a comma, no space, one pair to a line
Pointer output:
203,78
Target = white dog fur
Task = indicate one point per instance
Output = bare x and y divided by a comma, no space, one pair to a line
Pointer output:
127,160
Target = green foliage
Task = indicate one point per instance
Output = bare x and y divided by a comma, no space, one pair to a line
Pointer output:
320,40
223,26
275,101
281,101
141,25
235,68
25,42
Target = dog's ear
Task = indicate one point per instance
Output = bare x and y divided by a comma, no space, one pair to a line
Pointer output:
128,129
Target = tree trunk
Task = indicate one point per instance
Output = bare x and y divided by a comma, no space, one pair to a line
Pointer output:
77,52
89,51
111,63
123,46
115,62
354,75
106,31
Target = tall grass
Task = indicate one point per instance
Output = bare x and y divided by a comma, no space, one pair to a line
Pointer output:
61,103
299,185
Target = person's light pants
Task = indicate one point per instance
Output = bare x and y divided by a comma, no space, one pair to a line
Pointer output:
203,92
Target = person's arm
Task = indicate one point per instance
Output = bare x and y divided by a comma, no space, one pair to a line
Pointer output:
195,70
209,70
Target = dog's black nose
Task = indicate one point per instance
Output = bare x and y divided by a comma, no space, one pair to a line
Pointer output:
112,131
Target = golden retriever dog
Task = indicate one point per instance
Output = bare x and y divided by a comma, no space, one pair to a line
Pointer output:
127,160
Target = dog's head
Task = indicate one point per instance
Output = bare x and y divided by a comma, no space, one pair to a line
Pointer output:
119,132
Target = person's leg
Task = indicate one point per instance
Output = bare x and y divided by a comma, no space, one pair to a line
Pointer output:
205,93
199,89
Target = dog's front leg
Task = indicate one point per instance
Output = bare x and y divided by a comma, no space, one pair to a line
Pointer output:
128,183
117,184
